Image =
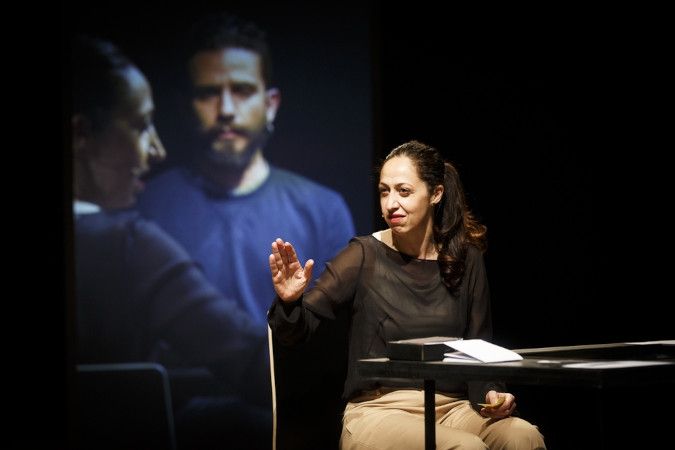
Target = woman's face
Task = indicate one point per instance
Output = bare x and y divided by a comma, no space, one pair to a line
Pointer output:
120,151
405,200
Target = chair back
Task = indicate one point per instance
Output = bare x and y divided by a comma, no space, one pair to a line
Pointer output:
124,406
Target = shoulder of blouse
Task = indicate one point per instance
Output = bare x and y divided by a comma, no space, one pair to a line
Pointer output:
474,264
367,243
474,256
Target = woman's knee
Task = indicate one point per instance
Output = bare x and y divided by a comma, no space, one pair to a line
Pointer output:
515,434
451,439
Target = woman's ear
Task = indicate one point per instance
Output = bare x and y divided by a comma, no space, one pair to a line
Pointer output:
437,194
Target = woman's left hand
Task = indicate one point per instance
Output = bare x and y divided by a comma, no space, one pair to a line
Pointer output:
501,411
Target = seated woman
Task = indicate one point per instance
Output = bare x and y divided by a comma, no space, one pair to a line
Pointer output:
423,276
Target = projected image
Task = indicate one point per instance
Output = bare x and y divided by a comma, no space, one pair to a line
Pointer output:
197,148
225,202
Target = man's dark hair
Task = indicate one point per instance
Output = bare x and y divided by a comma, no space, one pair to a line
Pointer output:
223,30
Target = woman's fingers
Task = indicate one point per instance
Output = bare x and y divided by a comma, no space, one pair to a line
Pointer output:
499,404
283,251
276,258
286,253
290,253
494,405
309,266
274,268
283,260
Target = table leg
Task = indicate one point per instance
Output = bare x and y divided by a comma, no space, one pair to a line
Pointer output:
430,414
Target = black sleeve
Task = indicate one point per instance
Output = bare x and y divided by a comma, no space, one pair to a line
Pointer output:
480,320
478,291
297,321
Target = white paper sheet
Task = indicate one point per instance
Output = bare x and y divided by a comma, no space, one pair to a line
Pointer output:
481,350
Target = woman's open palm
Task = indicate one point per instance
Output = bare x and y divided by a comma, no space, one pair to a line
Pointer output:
289,277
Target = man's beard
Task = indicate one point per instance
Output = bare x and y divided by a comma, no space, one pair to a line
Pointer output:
232,161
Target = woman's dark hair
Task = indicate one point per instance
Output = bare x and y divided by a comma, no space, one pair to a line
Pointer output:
454,226
98,80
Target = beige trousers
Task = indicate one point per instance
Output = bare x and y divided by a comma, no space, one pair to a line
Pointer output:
394,419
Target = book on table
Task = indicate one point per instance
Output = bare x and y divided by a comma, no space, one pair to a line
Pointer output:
419,349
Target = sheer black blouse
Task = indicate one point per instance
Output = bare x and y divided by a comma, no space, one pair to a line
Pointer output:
392,296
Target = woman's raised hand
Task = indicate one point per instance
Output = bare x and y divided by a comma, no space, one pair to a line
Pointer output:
289,277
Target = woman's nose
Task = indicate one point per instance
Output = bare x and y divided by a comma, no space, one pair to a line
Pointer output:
157,151
392,203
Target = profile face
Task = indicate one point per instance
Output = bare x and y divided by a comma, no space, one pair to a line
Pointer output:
231,104
405,200
122,149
